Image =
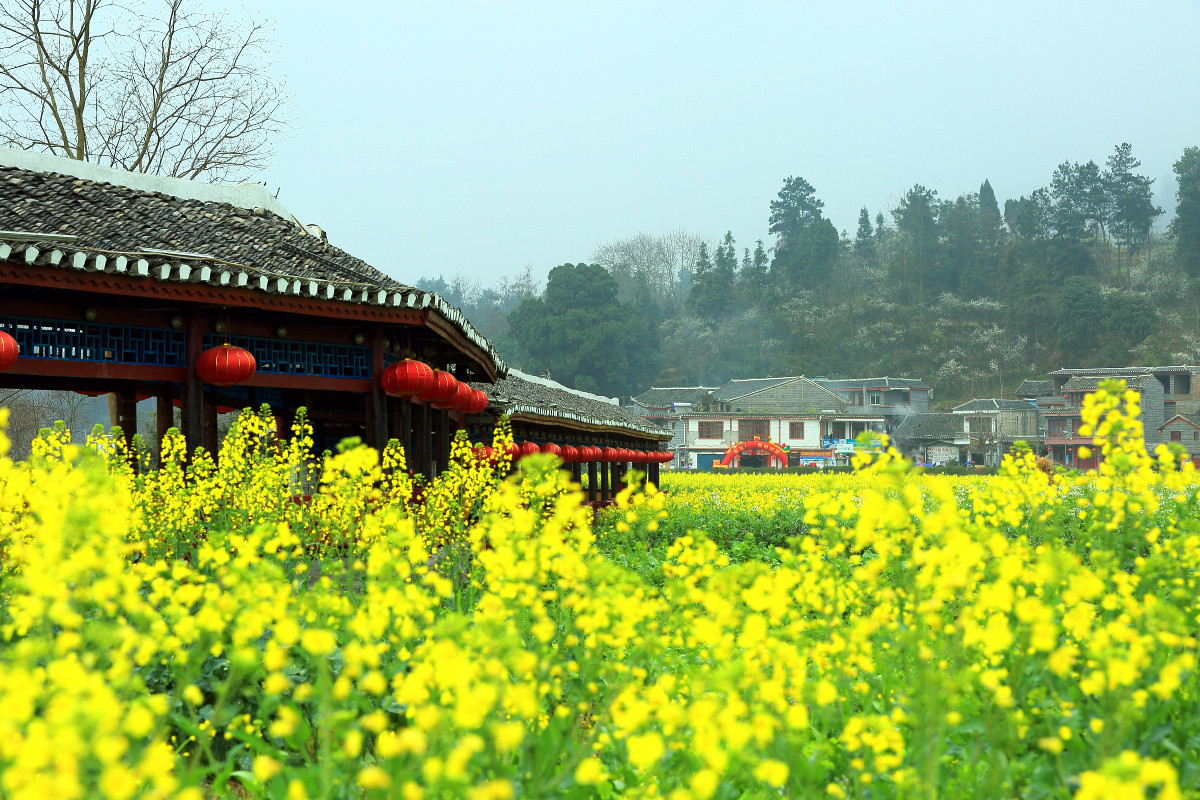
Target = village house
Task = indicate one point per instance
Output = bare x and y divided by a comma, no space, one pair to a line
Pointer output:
993,425
1183,430
892,398
1166,392
933,438
811,424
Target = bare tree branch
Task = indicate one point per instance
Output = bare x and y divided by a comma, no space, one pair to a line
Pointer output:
179,93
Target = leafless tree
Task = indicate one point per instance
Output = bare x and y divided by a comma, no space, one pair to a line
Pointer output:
178,92
30,410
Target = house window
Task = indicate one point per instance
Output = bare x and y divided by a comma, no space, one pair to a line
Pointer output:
709,430
1176,436
876,399
795,430
750,428
1196,436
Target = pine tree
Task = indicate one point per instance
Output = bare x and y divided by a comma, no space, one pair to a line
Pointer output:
1186,225
864,238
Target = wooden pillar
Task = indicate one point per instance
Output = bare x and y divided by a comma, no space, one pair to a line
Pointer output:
191,402
209,422
376,398
652,472
423,440
442,420
126,417
164,416
592,487
576,472
605,486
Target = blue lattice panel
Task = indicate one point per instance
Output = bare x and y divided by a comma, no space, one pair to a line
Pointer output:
284,357
94,341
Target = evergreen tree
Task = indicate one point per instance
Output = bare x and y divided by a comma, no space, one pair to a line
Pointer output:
1186,225
916,219
796,208
711,297
989,215
1134,211
864,238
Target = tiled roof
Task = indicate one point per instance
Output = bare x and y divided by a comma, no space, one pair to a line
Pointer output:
519,393
741,387
1190,419
1034,388
1109,371
55,219
1087,383
863,383
930,425
994,404
663,397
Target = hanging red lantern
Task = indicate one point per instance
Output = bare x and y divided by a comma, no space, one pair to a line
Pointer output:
641,456
529,448
514,451
477,404
665,457
9,350
225,365
485,454
406,377
570,454
552,449
463,396
441,389
609,454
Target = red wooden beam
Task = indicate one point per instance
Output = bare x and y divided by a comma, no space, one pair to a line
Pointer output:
103,370
107,283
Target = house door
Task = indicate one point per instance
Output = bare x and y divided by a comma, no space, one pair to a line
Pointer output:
705,461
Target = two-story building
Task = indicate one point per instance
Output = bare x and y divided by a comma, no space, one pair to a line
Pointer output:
993,424
1063,439
892,398
813,424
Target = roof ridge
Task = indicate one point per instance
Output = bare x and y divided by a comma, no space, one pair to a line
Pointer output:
239,195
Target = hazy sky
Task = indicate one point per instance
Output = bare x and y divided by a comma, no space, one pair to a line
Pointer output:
476,138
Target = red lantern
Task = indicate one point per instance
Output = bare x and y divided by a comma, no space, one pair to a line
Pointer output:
477,404
406,377
529,448
514,451
463,396
609,454
552,448
666,457
485,454
570,454
9,350
225,365
441,389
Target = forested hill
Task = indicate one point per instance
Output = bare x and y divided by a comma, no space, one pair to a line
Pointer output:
970,294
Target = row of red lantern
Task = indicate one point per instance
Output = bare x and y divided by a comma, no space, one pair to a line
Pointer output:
570,454
434,386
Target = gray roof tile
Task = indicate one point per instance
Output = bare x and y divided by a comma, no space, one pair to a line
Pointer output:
61,221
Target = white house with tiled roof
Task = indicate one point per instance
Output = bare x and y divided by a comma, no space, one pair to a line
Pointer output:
811,422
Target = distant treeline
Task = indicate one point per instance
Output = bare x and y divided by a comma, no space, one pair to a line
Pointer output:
971,295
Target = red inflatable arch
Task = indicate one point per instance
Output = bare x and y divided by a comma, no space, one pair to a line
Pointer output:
776,455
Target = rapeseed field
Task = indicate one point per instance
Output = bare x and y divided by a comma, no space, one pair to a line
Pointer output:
280,625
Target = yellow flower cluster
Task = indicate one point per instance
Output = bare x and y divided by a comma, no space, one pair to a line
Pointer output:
274,625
